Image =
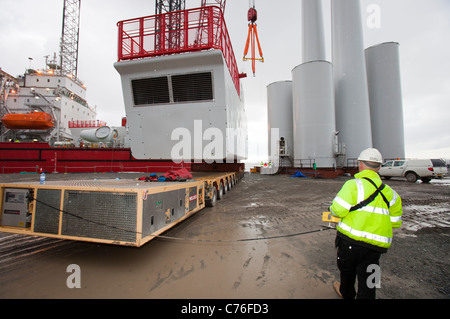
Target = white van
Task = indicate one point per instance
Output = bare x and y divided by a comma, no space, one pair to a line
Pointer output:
414,169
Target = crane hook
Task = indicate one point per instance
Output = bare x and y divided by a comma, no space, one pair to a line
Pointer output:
252,16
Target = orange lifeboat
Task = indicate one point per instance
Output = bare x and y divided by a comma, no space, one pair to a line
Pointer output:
31,121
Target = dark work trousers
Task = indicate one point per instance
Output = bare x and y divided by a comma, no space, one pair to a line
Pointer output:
352,261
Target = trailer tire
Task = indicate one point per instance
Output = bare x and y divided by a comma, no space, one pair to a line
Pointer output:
220,191
211,202
225,186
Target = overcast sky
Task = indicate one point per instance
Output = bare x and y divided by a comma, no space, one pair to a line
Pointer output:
30,28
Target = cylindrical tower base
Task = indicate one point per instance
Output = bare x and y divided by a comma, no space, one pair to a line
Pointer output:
350,80
314,115
279,116
385,95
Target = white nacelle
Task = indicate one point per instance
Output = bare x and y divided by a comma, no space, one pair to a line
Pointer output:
101,134
183,101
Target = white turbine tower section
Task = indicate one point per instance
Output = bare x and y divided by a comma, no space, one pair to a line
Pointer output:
313,94
386,105
279,115
314,115
350,80
312,27
313,35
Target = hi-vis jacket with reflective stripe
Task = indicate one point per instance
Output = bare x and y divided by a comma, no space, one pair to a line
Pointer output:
373,223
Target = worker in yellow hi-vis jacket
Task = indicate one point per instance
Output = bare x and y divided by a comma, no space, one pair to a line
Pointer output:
367,211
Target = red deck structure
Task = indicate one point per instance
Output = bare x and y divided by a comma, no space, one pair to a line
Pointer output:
32,157
177,32
86,124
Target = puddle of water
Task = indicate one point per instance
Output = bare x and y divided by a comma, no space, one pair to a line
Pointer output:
422,216
441,182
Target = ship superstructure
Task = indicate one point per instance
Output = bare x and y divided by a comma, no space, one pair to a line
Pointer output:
45,90
54,89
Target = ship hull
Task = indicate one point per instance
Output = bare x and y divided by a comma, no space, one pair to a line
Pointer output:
32,157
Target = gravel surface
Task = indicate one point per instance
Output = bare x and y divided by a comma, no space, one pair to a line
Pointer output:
265,239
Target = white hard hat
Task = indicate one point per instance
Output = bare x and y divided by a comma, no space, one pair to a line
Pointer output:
371,155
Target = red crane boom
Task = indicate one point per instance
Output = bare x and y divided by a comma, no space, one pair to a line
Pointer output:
218,3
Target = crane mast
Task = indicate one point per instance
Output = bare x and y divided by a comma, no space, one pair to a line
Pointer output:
165,6
218,3
174,38
70,37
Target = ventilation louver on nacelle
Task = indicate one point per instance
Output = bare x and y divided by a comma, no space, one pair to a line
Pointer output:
170,89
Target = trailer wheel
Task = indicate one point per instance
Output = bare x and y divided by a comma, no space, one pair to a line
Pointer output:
220,192
211,202
225,186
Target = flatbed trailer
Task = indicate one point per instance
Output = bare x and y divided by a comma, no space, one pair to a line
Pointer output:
120,212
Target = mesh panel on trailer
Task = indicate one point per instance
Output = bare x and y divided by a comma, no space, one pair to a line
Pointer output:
103,215
46,219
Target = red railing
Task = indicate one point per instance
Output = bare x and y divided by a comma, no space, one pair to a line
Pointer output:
86,124
177,32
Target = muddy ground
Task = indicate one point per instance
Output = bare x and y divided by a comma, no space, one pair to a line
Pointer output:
255,243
